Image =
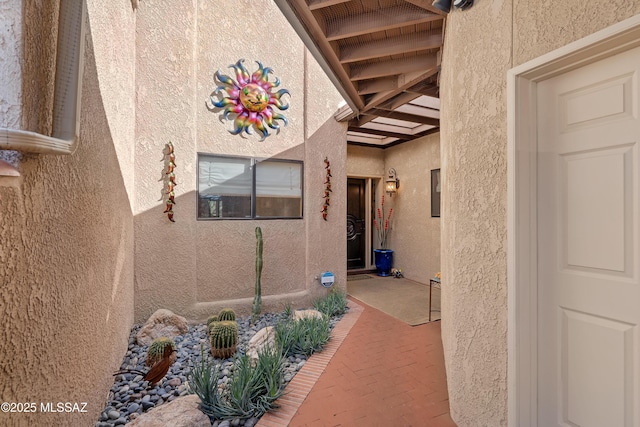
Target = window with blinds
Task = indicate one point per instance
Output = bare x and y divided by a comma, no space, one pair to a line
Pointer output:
240,187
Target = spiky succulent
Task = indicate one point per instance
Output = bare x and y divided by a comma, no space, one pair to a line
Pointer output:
224,338
212,319
226,314
156,350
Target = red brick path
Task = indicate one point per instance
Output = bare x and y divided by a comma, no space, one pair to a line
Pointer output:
381,372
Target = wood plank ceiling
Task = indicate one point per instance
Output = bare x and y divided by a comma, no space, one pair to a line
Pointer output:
383,56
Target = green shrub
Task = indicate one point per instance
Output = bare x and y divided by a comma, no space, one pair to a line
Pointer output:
252,389
224,338
304,336
227,314
288,311
156,349
334,304
203,381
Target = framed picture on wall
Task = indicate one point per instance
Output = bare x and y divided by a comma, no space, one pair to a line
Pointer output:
435,193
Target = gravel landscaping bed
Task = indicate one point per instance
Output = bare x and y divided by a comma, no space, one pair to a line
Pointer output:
130,396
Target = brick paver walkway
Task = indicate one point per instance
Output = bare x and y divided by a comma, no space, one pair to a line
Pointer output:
384,373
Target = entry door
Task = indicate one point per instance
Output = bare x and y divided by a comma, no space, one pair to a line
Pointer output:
588,289
356,223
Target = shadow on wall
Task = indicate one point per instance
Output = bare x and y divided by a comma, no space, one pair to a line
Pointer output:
195,267
67,305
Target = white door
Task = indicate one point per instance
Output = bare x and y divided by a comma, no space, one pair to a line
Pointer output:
588,337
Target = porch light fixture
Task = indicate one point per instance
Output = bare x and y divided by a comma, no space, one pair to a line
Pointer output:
445,5
392,182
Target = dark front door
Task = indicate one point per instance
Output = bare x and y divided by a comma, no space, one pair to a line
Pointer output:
355,223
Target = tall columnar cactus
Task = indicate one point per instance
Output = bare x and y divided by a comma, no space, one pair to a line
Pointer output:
155,352
226,314
224,339
257,300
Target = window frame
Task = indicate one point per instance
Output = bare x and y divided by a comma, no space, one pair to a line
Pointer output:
253,161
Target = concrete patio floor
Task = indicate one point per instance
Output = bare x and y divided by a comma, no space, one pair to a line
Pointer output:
376,371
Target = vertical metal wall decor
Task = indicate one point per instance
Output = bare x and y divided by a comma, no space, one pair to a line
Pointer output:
169,179
327,190
250,99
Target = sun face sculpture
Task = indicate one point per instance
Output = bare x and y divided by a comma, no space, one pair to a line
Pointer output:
250,99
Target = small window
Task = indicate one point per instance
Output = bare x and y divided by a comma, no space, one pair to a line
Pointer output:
237,187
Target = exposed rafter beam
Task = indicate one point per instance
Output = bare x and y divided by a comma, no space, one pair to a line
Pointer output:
404,81
319,4
404,137
316,35
400,100
428,90
414,42
361,120
427,5
393,67
380,20
366,87
404,117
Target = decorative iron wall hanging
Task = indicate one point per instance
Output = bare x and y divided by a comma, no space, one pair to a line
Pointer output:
249,100
327,190
169,179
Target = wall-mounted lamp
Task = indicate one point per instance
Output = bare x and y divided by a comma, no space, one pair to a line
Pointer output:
392,182
445,5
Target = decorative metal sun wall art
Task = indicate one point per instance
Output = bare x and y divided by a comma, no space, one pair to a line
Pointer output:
250,99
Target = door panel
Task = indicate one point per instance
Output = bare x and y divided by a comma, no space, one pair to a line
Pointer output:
356,228
588,267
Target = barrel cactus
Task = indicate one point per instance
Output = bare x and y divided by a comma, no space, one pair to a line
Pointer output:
224,338
212,319
156,350
226,314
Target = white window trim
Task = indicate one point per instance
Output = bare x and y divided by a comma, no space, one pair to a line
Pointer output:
522,282
65,137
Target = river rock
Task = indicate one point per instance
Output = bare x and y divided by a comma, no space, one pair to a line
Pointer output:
303,314
182,412
265,337
162,323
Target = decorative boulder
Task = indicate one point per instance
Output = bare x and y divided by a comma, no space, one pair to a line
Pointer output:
182,412
265,337
162,323
303,314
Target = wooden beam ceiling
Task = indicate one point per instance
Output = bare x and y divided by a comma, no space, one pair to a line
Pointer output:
383,54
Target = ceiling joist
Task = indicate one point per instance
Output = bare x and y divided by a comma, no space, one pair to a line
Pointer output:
380,20
411,118
383,56
379,132
414,42
319,4
394,67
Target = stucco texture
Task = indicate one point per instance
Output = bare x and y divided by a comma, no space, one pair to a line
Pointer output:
415,235
66,247
476,58
12,54
196,267
365,161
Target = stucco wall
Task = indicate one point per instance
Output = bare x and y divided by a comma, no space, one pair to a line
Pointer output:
365,161
66,246
415,236
195,267
11,52
477,55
